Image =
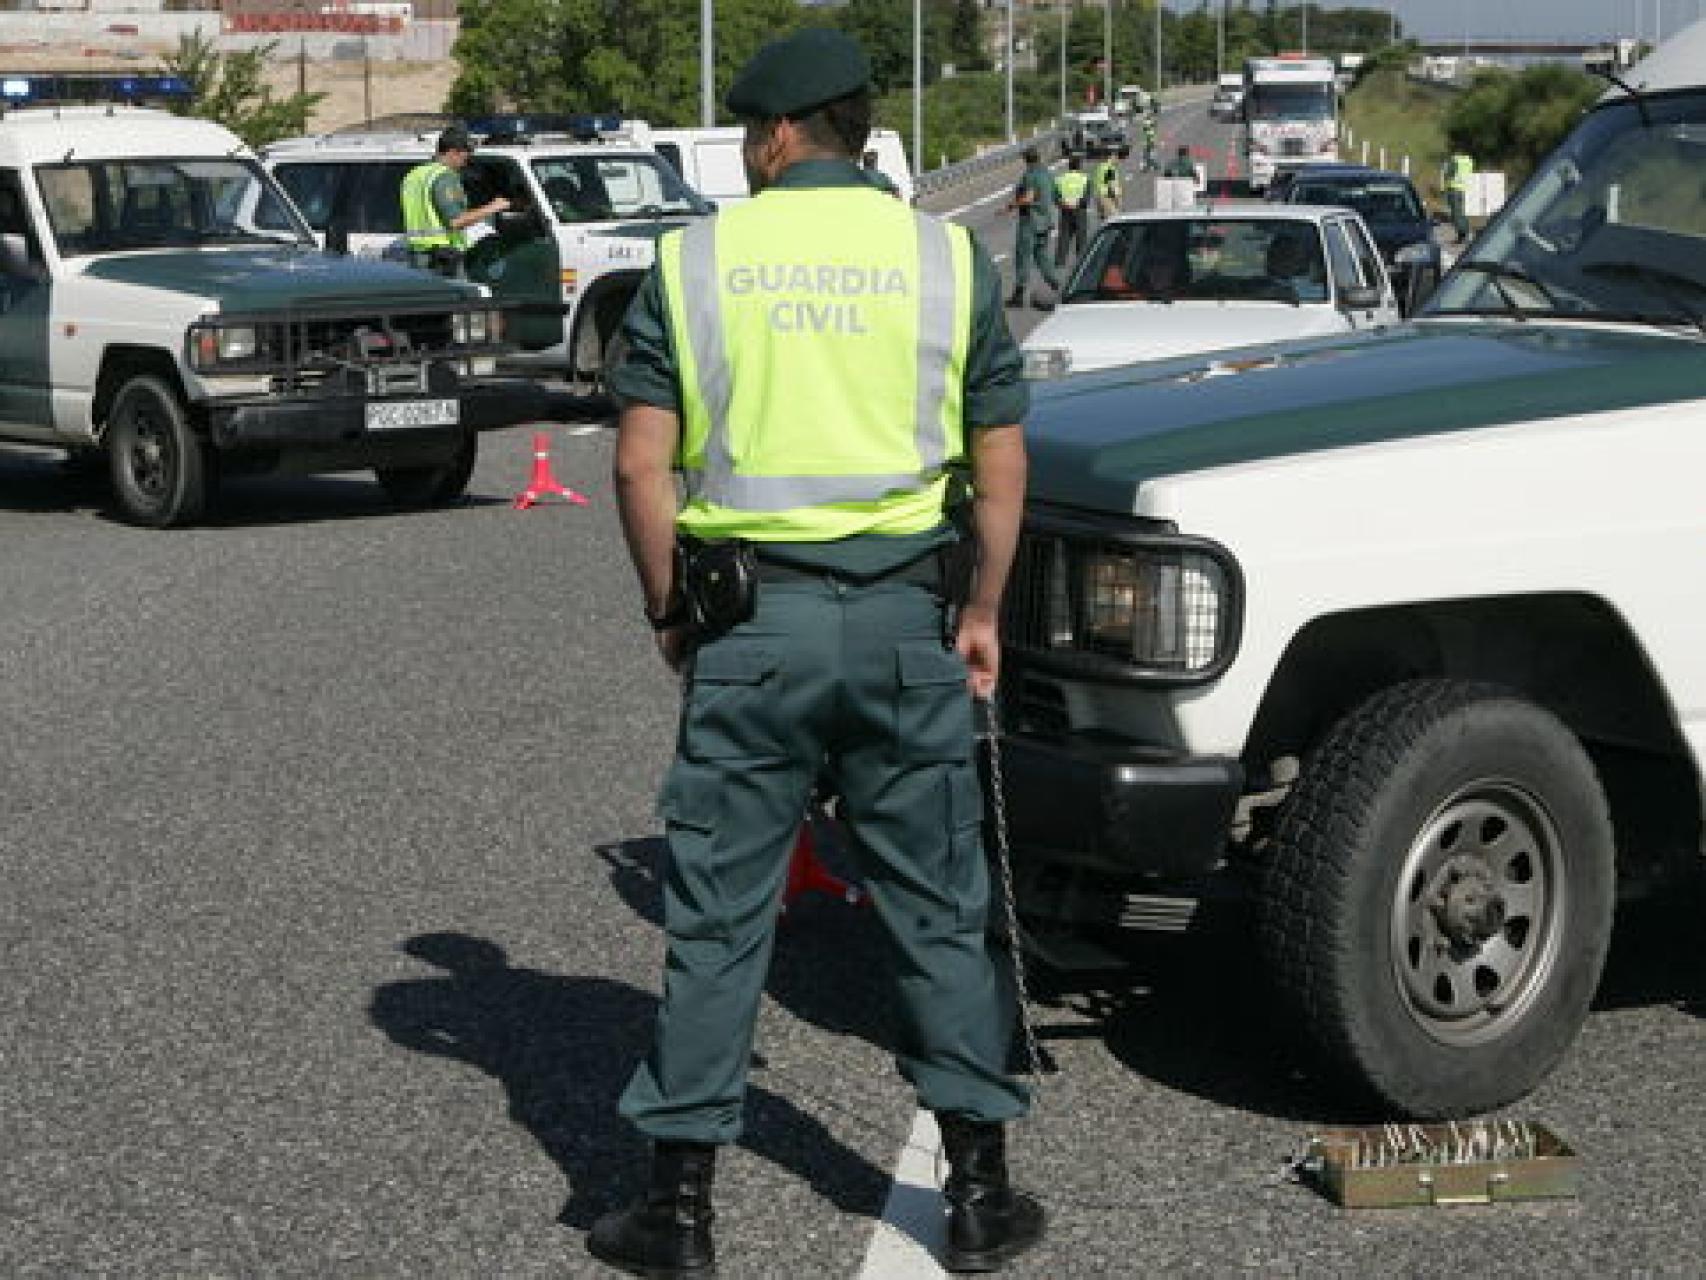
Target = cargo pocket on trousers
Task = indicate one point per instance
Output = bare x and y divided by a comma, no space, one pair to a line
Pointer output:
733,702
690,805
971,869
932,706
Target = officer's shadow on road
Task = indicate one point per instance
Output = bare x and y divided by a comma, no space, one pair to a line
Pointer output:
562,1047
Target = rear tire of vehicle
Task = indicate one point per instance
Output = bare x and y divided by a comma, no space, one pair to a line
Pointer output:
160,467
1439,899
415,488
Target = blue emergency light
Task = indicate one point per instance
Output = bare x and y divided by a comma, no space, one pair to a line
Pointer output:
520,127
87,87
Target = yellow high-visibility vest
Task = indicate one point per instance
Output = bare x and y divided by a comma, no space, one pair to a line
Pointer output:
421,223
1462,169
1072,185
821,336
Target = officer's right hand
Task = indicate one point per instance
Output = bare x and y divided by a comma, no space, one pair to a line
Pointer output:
979,643
497,205
672,647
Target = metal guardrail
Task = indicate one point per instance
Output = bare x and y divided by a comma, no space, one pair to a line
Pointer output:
1002,157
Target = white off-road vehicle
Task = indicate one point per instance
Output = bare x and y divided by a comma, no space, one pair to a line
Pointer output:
589,198
162,302
1404,631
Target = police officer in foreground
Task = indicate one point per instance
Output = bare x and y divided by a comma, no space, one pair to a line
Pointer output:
821,363
435,207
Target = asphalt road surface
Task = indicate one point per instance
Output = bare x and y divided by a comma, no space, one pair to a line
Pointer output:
331,932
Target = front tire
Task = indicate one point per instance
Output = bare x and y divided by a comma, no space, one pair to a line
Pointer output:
159,465
415,488
1439,901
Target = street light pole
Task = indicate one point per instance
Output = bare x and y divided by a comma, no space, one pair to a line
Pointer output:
1220,40
1065,13
707,63
1158,63
1305,9
918,86
1108,55
1008,61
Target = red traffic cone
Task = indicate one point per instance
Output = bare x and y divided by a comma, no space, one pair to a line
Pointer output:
808,874
544,483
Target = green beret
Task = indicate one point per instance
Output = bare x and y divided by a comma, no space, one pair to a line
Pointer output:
797,74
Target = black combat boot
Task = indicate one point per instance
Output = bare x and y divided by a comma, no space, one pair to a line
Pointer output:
989,1223
667,1233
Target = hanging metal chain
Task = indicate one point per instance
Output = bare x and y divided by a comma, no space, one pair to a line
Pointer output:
1004,859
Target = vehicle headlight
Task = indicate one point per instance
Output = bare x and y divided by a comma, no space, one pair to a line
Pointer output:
215,345
476,328
1161,607
239,342
1047,362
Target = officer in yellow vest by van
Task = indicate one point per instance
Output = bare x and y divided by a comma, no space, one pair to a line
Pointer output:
435,207
1459,172
1072,190
1105,186
830,371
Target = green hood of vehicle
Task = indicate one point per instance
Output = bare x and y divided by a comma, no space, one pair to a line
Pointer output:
1096,440
273,279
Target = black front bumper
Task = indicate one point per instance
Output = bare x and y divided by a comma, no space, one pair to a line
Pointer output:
336,422
1111,804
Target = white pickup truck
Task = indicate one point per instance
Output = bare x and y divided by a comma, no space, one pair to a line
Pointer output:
1403,631
162,303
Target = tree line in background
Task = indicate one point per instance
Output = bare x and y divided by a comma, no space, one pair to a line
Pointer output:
641,57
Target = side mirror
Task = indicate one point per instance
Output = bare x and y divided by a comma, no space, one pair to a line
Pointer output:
15,258
1358,297
516,224
1424,279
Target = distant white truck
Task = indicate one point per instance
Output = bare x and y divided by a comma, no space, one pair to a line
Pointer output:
1291,115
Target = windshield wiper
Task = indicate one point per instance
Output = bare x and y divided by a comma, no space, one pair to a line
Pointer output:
1662,279
1499,272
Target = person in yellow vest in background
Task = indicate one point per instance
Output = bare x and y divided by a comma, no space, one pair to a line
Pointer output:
435,208
1105,186
1459,172
1071,191
831,372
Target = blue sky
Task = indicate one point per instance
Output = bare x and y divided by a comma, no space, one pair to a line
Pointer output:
1525,19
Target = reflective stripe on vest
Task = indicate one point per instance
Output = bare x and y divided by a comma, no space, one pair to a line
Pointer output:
849,319
422,225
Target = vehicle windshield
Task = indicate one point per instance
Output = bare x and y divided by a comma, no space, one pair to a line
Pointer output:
1289,102
595,188
103,206
1380,200
1611,227
1203,260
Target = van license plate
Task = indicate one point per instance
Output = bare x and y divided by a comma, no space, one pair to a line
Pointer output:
402,415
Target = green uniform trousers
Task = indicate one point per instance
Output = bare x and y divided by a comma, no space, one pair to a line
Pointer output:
852,683
1030,246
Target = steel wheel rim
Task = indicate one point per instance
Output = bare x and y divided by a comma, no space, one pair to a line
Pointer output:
1478,913
149,454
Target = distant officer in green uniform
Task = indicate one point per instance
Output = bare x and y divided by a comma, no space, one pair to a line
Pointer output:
1459,171
1033,201
1181,165
435,208
1073,188
820,363
1105,186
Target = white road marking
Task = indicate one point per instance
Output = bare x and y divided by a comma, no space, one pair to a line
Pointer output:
907,1240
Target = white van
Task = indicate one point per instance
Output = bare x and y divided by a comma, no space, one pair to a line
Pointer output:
709,160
